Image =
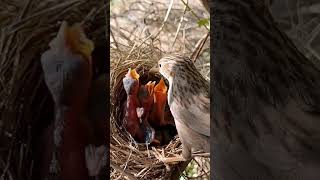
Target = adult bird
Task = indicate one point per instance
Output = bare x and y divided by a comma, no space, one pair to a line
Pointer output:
266,113
188,99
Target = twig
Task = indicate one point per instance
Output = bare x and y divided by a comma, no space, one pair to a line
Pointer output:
117,168
7,165
162,25
115,41
193,13
179,26
62,5
199,47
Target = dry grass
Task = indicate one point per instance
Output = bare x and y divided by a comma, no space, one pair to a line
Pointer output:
25,104
142,32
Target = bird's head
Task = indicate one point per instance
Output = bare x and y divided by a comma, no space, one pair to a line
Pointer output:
175,66
131,82
73,39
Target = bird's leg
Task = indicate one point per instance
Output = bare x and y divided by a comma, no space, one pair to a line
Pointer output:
186,151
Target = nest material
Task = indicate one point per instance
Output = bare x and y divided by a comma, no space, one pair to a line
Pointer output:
26,107
128,158
140,45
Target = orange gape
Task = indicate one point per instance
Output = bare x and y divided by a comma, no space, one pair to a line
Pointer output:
158,117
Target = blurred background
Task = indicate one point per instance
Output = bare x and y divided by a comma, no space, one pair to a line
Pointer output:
300,19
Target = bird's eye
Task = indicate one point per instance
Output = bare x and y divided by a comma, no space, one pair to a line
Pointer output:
159,65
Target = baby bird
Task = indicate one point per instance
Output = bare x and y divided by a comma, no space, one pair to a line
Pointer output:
131,86
146,98
146,133
158,111
188,99
67,73
133,121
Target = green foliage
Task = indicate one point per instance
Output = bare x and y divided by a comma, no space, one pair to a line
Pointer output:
204,22
191,170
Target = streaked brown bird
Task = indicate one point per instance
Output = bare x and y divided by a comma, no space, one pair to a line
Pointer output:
157,118
266,98
133,121
188,99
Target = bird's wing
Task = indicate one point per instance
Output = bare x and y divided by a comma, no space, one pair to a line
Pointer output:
197,116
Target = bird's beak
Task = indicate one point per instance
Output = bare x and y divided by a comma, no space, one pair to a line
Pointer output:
161,87
133,74
78,41
150,86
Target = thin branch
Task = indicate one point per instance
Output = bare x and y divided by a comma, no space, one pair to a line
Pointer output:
199,47
193,13
179,26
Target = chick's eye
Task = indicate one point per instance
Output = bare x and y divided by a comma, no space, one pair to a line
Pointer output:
159,65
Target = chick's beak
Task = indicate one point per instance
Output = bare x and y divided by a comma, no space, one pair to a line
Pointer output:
78,41
150,86
161,87
133,74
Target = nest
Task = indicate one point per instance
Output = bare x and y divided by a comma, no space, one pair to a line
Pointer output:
26,107
128,158
140,161
141,46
